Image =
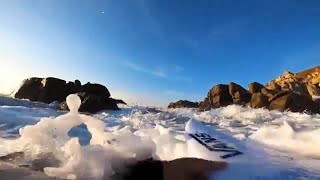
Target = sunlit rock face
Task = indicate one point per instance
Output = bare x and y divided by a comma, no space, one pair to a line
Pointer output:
296,92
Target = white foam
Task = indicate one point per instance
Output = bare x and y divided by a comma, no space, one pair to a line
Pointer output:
122,137
108,149
73,102
284,137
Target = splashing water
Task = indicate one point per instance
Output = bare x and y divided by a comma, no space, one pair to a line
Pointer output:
116,139
108,152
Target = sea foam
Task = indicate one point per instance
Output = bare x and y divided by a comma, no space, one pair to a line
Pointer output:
108,152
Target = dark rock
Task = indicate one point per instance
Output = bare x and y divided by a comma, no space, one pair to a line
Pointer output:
183,104
53,90
94,103
258,100
238,94
288,100
118,101
95,89
94,97
255,87
91,103
77,83
45,90
72,88
30,89
219,96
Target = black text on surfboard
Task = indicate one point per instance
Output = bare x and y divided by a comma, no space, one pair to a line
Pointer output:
212,144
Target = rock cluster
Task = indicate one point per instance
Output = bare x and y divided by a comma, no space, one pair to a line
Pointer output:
290,91
95,97
183,104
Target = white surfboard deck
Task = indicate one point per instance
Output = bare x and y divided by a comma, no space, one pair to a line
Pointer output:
245,160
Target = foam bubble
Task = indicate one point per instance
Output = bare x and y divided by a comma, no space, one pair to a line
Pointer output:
73,102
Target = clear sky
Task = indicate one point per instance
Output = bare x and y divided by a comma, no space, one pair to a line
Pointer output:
152,51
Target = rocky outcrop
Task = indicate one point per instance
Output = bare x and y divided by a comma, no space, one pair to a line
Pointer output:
183,104
95,97
297,92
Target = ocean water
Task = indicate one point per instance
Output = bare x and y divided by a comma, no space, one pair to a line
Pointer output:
104,144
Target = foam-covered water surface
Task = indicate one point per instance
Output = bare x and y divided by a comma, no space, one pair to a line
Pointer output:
104,144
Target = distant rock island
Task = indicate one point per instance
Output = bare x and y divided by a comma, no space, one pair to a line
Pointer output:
94,97
294,92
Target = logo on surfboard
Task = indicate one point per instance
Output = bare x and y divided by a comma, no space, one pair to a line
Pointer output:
212,144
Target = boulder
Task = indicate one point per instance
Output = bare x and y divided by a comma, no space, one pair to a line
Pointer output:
183,104
288,100
219,96
45,90
255,87
258,100
95,103
54,89
30,89
238,94
95,89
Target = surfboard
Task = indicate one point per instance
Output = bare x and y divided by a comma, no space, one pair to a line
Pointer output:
246,160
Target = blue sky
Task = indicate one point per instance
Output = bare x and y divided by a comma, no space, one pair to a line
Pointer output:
153,52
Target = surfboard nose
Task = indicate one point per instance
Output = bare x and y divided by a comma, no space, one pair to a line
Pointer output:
193,126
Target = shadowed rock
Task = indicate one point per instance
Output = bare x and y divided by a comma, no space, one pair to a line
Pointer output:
183,104
95,97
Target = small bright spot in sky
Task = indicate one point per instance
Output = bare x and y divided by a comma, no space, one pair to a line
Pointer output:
102,12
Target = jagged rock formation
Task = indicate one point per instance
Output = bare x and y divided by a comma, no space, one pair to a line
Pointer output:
290,91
